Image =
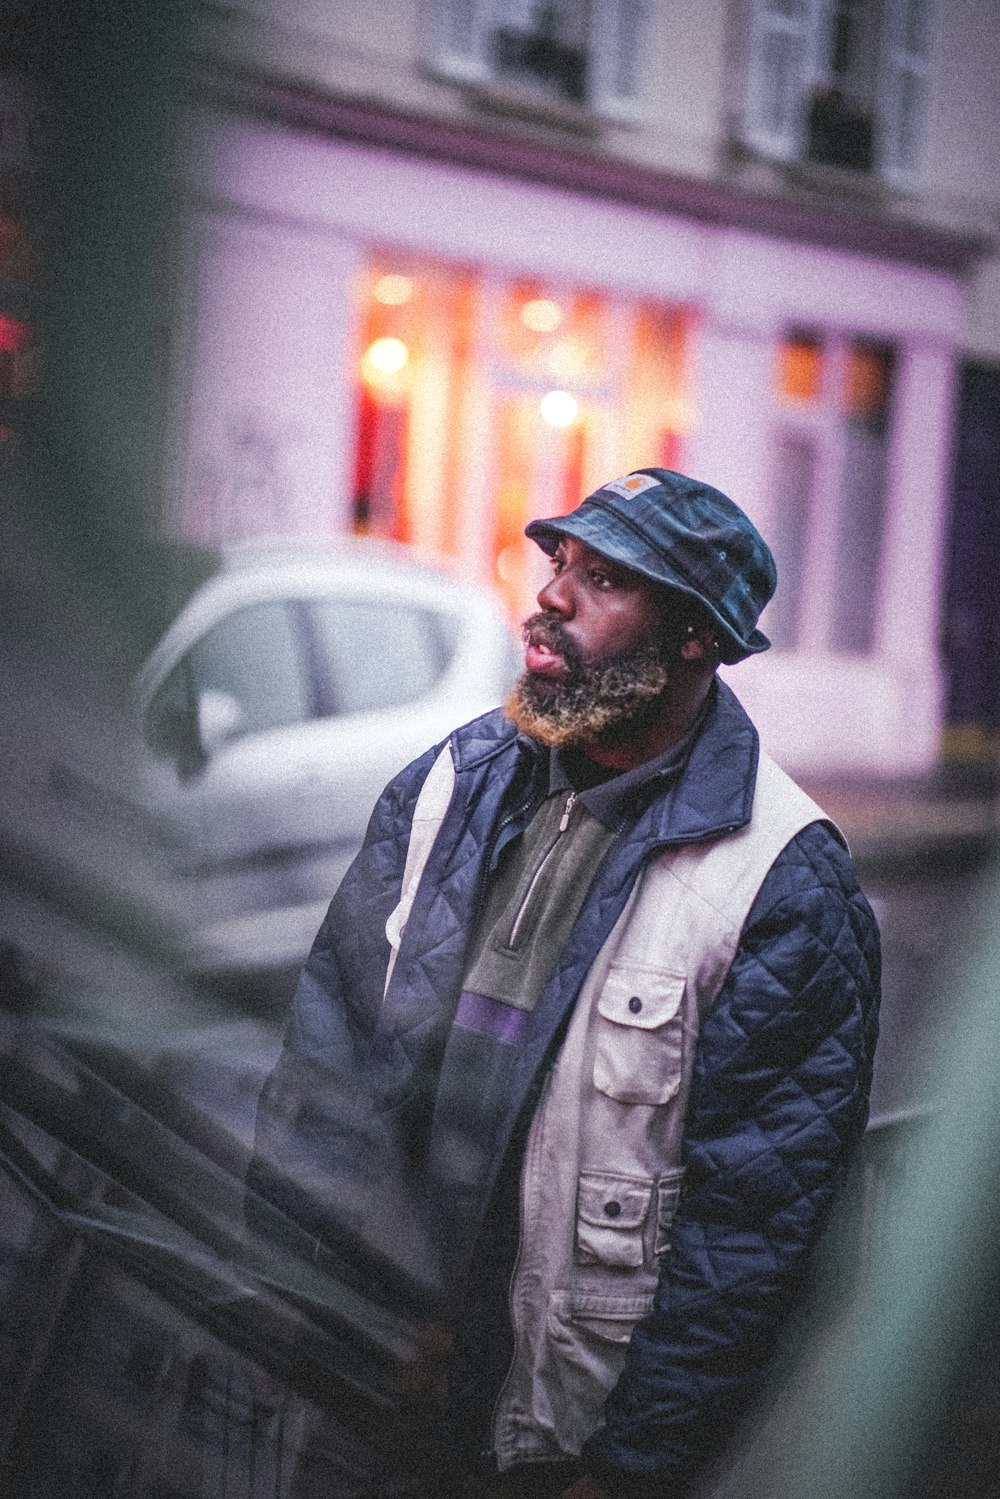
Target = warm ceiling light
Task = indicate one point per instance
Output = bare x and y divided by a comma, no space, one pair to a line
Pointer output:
559,408
393,290
541,315
386,356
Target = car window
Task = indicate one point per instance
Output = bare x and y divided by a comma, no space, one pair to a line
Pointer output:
254,656
373,654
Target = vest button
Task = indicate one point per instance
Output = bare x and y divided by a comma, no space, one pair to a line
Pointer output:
612,1208
635,1004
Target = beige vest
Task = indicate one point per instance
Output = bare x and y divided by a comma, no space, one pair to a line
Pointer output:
602,1167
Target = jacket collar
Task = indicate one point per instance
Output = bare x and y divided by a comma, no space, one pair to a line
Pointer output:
714,792
712,795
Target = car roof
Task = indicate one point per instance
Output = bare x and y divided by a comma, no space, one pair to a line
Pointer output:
353,552
176,571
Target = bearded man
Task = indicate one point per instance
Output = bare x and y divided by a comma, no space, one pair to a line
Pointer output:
596,1006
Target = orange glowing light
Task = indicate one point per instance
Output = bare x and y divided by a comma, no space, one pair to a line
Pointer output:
541,315
393,290
509,564
802,367
559,408
568,359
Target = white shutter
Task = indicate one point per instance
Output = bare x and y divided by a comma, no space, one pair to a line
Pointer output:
903,92
779,74
456,39
458,33
617,49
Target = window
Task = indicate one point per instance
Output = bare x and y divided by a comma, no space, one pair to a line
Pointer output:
249,667
575,52
373,655
828,485
485,400
841,83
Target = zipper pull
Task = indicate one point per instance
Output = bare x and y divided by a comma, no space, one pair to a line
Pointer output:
564,821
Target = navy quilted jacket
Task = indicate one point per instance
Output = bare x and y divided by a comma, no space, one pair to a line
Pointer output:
779,1098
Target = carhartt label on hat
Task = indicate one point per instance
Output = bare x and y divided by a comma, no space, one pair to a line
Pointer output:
631,484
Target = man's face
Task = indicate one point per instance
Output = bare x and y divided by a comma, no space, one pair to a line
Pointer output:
597,656
602,609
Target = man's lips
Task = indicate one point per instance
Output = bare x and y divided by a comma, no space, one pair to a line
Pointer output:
543,660
548,649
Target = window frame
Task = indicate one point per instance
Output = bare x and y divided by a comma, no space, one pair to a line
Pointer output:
824,425
897,159
456,35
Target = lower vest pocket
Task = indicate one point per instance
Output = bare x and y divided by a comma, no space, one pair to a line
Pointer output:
611,1214
582,1357
609,1319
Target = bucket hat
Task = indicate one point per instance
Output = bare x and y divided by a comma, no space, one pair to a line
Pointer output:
685,535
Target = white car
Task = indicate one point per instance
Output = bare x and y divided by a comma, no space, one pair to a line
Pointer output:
294,682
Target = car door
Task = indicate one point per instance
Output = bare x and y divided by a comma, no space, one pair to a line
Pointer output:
377,665
220,733
272,738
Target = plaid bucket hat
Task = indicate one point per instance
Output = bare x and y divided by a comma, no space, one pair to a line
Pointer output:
685,535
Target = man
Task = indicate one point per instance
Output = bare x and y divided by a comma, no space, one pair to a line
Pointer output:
596,1006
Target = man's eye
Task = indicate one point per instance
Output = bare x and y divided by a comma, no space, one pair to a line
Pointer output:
600,579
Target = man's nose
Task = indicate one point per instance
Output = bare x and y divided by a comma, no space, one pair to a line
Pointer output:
557,596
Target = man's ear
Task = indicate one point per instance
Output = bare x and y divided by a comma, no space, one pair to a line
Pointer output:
701,645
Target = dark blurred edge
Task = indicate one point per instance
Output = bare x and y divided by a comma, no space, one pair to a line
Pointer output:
110,78
144,1350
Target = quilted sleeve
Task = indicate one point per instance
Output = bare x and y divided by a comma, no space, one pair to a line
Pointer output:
779,1102
319,1134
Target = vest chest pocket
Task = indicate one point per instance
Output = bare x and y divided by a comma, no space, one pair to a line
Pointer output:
640,1033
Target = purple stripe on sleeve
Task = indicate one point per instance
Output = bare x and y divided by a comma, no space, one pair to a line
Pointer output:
491,1017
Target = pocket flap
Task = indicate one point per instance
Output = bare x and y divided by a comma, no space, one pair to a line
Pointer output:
643,997
611,1201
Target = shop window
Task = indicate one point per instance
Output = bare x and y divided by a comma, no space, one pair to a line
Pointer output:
412,367
801,376
484,401
868,378
583,53
841,83
828,487
794,492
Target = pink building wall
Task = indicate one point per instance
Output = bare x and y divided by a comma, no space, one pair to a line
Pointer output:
264,428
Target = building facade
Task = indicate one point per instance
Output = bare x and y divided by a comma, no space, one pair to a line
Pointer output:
446,266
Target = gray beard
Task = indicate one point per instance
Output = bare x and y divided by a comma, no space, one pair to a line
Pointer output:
603,702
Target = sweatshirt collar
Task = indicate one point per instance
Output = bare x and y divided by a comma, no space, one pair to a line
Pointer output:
615,799
701,786
710,793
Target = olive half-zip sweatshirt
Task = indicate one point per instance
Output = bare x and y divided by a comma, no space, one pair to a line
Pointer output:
538,886
534,900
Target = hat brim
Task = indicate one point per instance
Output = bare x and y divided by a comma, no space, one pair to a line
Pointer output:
603,533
